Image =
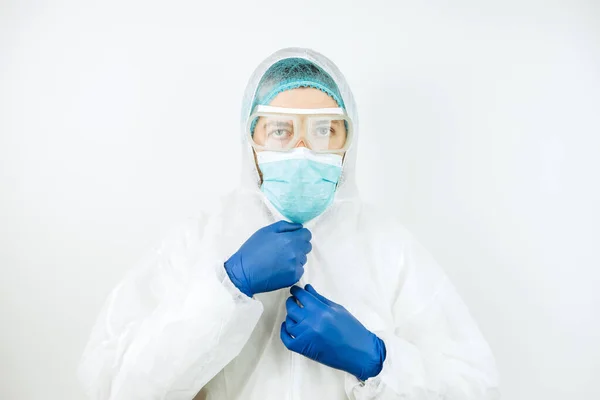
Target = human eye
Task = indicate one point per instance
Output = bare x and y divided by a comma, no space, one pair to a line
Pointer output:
325,131
279,133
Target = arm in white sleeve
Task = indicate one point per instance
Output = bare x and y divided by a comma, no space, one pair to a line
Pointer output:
171,325
434,350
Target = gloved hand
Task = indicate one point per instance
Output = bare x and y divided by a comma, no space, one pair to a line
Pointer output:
273,258
327,333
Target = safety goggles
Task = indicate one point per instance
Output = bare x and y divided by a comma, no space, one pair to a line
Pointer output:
323,130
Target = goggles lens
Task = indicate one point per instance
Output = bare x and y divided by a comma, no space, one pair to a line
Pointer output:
319,132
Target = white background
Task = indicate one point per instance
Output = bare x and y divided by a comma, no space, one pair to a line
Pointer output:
480,128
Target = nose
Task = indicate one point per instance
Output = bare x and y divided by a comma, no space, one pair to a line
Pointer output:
300,144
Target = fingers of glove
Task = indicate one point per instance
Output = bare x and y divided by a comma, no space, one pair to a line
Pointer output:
305,247
284,226
298,273
300,234
300,247
294,311
305,298
310,289
298,330
304,234
286,338
290,326
301,258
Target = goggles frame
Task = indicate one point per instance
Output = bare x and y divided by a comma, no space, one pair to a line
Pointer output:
293,114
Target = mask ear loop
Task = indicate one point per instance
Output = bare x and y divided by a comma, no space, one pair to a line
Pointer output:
251,125
349,139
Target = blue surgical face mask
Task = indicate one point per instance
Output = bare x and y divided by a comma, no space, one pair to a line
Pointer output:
299,183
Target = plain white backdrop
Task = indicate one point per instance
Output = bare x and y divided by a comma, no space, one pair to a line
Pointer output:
480,127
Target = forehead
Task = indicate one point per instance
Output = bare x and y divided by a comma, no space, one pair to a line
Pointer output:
304,98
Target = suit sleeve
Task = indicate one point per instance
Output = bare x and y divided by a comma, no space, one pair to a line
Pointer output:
171,325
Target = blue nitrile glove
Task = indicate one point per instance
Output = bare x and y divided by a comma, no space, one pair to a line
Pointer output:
273,258
327,333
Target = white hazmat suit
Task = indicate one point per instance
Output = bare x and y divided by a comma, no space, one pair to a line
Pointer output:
176,327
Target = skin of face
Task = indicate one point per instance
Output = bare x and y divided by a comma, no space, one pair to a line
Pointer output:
301,98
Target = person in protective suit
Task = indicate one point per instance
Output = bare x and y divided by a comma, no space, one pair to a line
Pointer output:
294,288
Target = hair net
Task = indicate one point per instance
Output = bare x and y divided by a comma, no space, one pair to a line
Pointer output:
292,73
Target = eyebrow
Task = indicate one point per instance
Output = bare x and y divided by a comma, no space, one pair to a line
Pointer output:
277,124
329,122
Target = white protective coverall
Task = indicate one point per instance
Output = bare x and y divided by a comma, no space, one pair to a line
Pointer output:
176,327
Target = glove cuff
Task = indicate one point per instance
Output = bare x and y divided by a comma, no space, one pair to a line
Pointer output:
234,270
376,365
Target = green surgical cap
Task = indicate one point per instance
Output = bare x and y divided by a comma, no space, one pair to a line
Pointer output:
292,73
